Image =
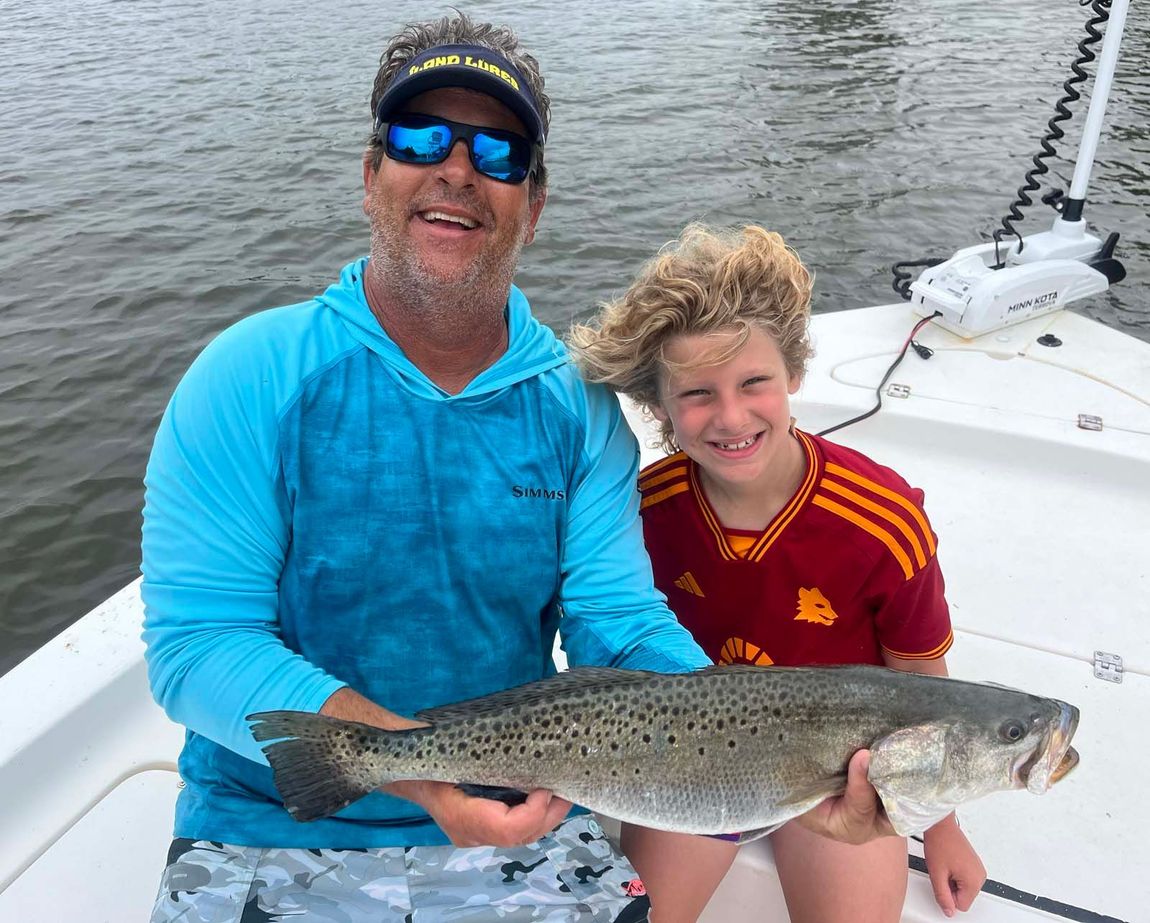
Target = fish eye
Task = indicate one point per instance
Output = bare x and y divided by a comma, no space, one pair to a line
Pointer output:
1012,730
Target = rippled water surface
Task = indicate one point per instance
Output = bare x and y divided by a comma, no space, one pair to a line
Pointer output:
166,168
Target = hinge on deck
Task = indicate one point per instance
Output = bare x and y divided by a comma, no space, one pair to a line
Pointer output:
1089,421
1108,667
896,390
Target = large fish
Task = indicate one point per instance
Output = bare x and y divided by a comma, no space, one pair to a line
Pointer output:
730,749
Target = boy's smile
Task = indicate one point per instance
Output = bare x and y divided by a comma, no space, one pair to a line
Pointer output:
732,418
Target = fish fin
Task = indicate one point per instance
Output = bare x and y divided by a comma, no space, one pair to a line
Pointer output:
792,806
577,679
272,725
582,680
905,769
509,796
312,777
805,797
748,835
910,818
849,671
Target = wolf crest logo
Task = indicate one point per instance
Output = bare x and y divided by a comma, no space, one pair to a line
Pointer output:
814,607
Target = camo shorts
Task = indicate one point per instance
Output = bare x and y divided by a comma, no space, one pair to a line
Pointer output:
572,875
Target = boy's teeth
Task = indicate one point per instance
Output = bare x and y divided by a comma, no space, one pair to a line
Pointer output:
457,219
737,445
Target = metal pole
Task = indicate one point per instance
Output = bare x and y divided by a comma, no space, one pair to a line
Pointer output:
1098,96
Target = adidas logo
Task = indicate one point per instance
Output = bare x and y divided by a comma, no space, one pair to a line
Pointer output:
687,582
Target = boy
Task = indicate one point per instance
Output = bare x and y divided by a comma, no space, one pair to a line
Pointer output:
773,546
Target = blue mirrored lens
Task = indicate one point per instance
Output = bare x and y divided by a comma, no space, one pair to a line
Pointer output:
500,158
422,139
418,143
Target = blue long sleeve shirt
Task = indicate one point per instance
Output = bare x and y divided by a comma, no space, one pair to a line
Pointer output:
320,514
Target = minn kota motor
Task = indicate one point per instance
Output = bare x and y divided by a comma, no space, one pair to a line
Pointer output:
994,285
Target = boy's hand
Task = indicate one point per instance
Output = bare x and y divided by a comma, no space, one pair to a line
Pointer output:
857,815
956,872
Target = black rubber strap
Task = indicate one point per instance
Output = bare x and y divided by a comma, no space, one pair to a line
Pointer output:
997,888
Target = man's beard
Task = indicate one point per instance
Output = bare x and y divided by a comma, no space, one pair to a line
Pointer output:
475,294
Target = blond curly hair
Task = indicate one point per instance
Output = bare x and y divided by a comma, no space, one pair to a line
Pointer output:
725,280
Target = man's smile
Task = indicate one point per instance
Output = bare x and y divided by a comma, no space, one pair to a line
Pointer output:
437,216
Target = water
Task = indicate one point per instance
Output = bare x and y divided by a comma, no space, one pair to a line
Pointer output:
166,168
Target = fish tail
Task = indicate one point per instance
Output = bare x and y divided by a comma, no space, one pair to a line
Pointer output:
314,776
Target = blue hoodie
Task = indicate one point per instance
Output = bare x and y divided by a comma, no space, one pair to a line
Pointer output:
320,514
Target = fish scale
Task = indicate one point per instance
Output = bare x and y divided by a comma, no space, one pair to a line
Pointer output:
727,749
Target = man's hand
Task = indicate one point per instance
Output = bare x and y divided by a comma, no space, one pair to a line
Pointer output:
469,821
856,816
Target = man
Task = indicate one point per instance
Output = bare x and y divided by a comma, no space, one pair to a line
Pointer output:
381,500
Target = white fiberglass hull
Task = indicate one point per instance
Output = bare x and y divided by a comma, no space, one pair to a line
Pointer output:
1043,532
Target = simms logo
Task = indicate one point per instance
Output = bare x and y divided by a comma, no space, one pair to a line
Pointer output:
517,491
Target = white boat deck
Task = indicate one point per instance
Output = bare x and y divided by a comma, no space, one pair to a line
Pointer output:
1043,538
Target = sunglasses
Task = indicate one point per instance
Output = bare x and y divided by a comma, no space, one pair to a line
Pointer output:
501,155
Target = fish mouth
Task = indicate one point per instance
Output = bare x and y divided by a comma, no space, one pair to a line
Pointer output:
1053,760
1069,761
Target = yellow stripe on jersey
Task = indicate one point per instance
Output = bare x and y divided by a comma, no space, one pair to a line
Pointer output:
893,518
716,527
867,526
783,519
656,467
664,494
889,494
658,478
933,654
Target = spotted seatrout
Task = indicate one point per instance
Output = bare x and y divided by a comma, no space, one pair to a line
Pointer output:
722,750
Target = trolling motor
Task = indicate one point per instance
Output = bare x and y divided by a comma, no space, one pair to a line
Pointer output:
993,285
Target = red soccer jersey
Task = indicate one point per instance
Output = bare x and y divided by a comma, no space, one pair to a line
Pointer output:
845,570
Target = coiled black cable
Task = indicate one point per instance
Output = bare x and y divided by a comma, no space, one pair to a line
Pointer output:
1054,131
902,279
